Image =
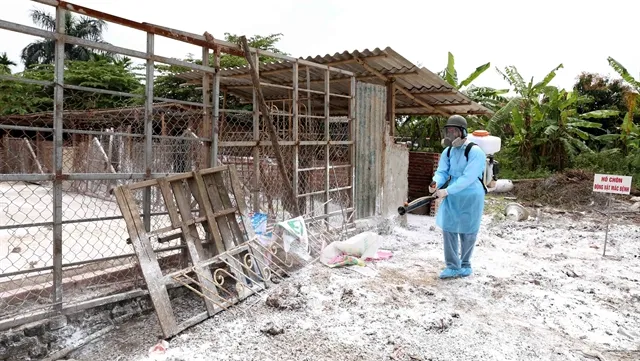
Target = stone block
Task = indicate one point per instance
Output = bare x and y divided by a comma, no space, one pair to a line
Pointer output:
35,329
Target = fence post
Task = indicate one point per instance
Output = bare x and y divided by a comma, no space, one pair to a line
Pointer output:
58,103
327,138
296,146
255,193
148,131
216,107
207,120
352,147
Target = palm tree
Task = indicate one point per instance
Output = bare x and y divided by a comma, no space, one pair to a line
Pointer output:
5,63
42,51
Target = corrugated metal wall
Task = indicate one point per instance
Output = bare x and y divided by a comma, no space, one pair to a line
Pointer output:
371,107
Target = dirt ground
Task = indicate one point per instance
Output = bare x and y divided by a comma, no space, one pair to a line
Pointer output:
541,290
569,190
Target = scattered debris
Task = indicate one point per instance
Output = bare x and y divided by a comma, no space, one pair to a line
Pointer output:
529,308
348,297
69,349
271,329
159,348
571,273
287,297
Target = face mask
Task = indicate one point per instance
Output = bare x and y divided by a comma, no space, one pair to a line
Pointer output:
446,142
458,142
452,138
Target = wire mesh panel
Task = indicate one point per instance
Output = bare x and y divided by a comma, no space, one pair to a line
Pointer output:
26,163
88,119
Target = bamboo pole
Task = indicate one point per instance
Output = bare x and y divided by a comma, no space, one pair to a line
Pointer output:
266,116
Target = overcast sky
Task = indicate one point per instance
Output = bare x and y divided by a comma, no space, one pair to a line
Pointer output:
534,35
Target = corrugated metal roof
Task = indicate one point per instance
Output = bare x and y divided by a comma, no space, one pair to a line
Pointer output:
370,66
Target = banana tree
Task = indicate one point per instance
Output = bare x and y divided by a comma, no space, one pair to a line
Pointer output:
559,129
418,129
629,137
489,97
516,118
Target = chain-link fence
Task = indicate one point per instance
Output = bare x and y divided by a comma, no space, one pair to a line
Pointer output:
71,131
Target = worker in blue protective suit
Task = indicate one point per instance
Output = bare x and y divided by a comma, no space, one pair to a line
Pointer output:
462,204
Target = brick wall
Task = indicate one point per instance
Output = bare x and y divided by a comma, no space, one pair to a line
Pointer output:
422,165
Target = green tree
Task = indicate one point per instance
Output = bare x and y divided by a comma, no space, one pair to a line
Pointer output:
515,119
542,126
168,85
257,41
22,98
629,135
424,132
559,129
43,51
5,63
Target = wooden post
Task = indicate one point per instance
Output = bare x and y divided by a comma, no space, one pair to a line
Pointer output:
352,146
327,138
58,124
296,146
207,119
266,116
148,130
255,192
391,106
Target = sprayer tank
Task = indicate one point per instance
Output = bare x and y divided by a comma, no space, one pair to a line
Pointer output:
488,143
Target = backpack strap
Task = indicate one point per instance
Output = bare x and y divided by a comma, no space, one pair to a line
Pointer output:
466,154
468,149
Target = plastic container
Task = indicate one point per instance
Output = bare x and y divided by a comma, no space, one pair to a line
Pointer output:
488,143
503,186
516,212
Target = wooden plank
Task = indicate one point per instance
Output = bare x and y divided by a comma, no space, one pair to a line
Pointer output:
226,203
169,202
241,203
199,191
147,260
233,230
216,202
243,209
194,246
142,184
211,170
177,177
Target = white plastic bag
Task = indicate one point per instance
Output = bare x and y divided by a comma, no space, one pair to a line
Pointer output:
363,246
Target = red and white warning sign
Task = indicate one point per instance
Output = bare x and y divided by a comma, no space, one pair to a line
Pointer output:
616,184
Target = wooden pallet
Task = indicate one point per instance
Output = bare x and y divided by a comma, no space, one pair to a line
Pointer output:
228,239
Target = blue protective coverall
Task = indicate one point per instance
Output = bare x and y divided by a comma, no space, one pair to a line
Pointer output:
460,212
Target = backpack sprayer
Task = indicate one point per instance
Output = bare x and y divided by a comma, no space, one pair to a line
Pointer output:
490,145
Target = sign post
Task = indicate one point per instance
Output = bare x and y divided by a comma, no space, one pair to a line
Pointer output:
611,184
